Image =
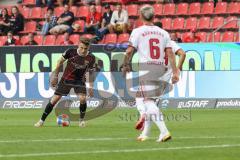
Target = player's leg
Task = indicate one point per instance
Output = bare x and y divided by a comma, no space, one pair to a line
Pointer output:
146,130
81,92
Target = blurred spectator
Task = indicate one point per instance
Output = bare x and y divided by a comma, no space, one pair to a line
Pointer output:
11,41
64,22
66,40
159,24
93,22
192,38
127,1
49,3
90,2
50,21
175,38
4,22
16,20
106,19
63,2
119,20
31,40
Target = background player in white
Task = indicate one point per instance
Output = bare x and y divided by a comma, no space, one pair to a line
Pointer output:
151,44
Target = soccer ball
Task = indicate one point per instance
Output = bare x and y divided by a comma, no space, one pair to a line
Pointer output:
63,120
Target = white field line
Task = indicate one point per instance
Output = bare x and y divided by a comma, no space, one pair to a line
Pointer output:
107,139
118,151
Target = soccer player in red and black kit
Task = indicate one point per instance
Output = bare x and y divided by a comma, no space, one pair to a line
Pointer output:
79,63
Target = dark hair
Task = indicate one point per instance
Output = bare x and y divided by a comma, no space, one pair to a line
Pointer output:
10,32
85,41
16,9
159,24
50,8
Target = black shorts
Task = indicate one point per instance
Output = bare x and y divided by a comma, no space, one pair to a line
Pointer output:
64,86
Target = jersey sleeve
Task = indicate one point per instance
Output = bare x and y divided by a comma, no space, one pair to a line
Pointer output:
66,54
168,41
133,40
91,65
175,47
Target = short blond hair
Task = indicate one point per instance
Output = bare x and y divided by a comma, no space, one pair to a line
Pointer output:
147,12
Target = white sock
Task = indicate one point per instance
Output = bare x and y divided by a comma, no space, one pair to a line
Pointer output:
140,105
147,127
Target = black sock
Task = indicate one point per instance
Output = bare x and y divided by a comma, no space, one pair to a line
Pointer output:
82,108
47,111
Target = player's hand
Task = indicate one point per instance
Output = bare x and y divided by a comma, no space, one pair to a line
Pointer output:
90,92
175,77
125,68
53,80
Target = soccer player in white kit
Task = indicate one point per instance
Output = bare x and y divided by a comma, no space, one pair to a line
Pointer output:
151,43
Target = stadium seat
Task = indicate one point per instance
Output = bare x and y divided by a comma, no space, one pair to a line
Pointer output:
182,9
38,39
28,2
217,22
36,13
110,38
158,8
132,10
169,9
237,37
25,12
99,9
59,39
138,23
228,36
232,24
81,23
87,36
3,39
191,23
202,35
214,37
49,40
58,11
167,23
123,38
207,8
194,8
83,12
204,23
74,38
74,9
30,26
221,8
233,8
178,24
185,34
24,39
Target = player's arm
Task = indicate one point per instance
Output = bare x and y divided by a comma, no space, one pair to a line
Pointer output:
54,76
172,61
182,56
127,59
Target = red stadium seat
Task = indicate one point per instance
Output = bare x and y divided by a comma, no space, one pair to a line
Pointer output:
158,9
233,7
221,8
204,23
30,26
214,37
24,39
207,8
228,36
3,39
25,12
74,38
203,36
194,8
59,39
182,9
49,40
123,38
138,23
185,34
237,37
132,10
217,22
167,23
191,23
58,11
178,24
87,36
83,12
110,38
36,13
38,39
169,9
232,24
99,9
74,9
81,23
28,2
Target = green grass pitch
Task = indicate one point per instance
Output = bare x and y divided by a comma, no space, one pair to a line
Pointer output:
197,134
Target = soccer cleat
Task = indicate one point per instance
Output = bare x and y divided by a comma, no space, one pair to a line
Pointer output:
82,123
164,137
140,123
142,138
39,123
